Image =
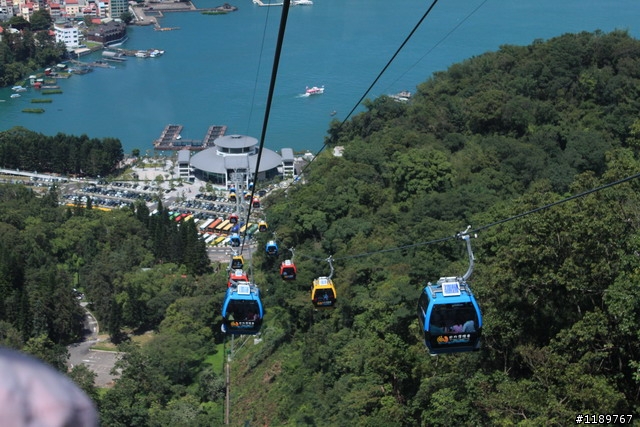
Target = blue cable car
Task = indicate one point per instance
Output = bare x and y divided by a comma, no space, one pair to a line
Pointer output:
234,240
271,248
242,310
449,315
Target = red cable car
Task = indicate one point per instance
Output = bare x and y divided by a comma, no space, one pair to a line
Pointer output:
233,218
237,276
288,270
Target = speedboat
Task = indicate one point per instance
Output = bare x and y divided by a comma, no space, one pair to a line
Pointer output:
19,89
302,2
315,90
402,96
15,95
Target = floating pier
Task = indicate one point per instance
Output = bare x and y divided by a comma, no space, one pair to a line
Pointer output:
171,139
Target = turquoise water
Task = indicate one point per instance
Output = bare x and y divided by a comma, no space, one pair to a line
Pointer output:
217,68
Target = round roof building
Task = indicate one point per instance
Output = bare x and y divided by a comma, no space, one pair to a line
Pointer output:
233,160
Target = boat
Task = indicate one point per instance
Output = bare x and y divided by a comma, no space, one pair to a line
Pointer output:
302,2
402,96
19,89
315,90
142,54
15,95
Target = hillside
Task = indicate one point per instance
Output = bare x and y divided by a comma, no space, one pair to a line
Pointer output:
501,142
488,139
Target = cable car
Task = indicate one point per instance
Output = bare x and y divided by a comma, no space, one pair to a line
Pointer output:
237,275
232,197
233,218
271,247
234,240
237,262
449,315
262,226
288,270
256,202
242,310
323,293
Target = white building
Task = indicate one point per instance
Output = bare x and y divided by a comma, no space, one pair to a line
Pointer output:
233,160
68,34
184,167
288,163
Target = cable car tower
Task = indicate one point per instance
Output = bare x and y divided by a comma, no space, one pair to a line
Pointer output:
449,315
239,178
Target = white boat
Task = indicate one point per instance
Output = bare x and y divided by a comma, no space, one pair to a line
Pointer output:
15,95
302,2
19,89
315,90
403,96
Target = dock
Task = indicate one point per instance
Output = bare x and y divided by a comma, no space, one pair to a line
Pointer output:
171,138
260,3
155,10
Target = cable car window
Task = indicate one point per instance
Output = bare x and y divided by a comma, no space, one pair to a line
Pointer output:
243,311
453,318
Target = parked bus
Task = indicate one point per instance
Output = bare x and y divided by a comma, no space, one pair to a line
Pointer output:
205,224
227,228
252,229
219,240
222,225
212,227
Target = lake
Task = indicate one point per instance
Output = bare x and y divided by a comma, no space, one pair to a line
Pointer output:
216,69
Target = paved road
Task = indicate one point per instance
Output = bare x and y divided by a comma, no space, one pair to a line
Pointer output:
100,362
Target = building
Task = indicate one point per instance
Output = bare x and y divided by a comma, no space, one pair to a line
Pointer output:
67,34
108,33
117,8
288,163
184,167
72,9
232,160
6,10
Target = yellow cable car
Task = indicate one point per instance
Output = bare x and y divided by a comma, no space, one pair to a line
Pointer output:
323,293
262,226
237,262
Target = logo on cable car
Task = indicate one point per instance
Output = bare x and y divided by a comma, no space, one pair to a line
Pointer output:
244,324
453,339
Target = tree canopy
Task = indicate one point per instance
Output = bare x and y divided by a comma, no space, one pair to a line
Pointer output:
500,142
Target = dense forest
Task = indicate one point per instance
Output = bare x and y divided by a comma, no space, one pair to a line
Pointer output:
479,144
31,48
63,154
